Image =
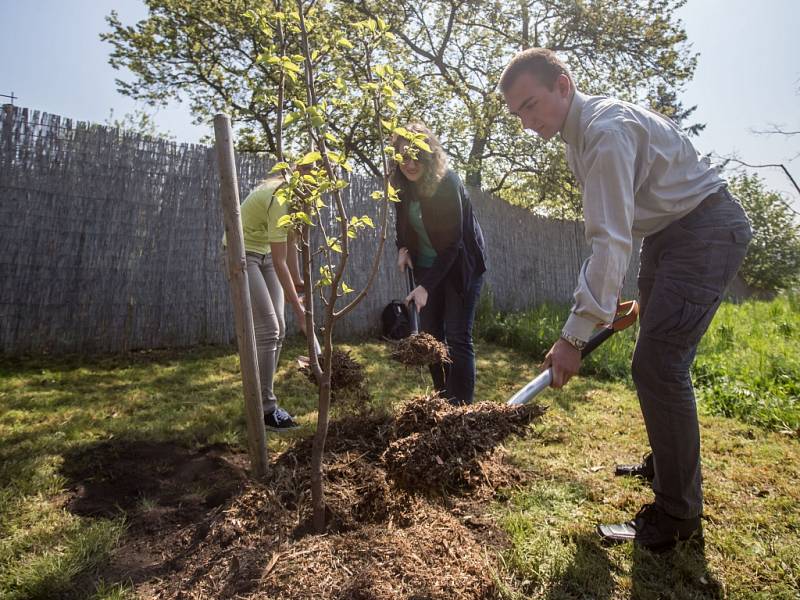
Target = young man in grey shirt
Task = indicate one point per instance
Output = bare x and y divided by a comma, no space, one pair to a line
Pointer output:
640,177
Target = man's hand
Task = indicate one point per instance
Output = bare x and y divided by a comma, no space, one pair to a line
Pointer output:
565,361
420,297
403,259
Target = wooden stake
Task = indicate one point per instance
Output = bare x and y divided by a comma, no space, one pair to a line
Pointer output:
240,294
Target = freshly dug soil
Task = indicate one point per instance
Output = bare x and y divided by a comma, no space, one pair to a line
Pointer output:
197,528
419,350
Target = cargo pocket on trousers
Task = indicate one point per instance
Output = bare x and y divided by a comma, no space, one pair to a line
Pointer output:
678,312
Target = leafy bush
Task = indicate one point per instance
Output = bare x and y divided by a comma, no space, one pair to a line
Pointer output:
773,258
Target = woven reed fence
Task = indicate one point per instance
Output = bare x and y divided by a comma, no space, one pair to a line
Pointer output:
110,241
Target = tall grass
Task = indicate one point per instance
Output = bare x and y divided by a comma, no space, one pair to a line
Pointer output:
747,365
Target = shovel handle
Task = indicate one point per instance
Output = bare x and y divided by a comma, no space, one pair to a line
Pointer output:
627,312
413,314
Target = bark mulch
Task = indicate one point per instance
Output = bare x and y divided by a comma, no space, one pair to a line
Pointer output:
420,350
395,530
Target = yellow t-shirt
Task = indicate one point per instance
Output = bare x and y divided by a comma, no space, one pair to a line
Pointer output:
260,212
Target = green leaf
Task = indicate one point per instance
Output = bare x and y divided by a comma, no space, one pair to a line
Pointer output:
303,217
421,144
333,244
309,158
346,288
291,118
279,166
326,276
285,220
345,43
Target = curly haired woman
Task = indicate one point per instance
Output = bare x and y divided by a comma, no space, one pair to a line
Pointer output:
440,238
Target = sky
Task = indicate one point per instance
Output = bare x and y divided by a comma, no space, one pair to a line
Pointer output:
747,78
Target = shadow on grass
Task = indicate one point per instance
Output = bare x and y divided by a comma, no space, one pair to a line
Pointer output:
683,570
588,575
160,489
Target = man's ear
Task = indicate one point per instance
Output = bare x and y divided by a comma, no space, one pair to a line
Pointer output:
563,85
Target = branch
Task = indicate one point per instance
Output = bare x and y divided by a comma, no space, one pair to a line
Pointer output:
769,165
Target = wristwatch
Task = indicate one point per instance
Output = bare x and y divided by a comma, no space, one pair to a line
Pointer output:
573,341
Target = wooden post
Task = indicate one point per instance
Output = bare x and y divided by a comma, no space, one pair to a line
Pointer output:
240,293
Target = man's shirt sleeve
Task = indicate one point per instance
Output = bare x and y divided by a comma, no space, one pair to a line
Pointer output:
608,206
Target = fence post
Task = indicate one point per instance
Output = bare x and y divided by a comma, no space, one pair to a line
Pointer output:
240,294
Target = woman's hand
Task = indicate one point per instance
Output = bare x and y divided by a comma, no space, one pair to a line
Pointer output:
300,316
420,297
403,259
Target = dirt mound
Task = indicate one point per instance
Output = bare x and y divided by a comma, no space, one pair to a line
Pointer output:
420,350
347,372
348,379
440,446
384,540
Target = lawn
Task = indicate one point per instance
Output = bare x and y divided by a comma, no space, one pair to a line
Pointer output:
52,409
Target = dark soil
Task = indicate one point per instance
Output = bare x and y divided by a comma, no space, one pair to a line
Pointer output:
197,528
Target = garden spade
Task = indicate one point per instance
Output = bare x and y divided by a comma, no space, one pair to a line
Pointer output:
627,312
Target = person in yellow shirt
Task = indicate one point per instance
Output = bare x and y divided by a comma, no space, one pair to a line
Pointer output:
274,278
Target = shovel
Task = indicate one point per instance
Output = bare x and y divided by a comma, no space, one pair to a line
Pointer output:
627,312
413,314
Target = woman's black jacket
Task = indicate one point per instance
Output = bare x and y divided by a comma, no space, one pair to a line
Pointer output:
452,228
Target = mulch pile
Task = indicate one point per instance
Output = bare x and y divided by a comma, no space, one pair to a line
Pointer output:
439,445
348,378
391,534
420,350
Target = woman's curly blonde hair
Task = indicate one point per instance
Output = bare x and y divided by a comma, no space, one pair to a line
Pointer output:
434,162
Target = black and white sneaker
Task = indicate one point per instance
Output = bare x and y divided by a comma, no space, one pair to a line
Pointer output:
279,420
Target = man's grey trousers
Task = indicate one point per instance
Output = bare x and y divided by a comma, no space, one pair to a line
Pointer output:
684,272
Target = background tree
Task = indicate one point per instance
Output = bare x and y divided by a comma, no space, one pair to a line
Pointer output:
773,258
629,48
215,56
450,56
139,121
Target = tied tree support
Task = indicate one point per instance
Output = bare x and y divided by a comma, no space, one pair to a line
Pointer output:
240,294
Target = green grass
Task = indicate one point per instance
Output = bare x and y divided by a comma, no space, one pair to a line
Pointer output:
50,408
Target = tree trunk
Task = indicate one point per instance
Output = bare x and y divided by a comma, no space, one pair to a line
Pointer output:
475,161
317,490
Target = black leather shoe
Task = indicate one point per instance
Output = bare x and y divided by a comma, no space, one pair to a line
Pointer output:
644,470
652,529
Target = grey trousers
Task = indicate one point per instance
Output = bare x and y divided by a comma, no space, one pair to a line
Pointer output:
266,299
684,272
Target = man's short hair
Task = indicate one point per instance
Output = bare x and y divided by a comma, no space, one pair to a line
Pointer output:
539,62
